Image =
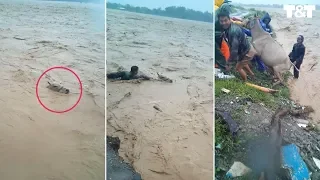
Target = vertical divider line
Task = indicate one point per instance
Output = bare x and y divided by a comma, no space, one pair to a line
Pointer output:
213,91
105,92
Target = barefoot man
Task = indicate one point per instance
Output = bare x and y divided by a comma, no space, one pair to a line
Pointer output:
241,51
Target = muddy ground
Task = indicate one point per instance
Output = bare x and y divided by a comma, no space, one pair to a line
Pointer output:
254,115
254,121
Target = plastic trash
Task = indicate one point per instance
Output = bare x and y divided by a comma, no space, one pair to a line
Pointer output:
294,163
225,90
317,162
219,146
238,169
221,75
302,125
302,121
226,117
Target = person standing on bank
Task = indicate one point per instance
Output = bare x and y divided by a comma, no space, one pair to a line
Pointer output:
297,54
241,51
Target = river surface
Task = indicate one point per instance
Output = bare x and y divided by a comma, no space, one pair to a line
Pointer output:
36,144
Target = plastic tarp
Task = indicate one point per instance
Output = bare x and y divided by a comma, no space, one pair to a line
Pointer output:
294,163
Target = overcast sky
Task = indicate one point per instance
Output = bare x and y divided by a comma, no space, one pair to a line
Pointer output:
199,5
277,1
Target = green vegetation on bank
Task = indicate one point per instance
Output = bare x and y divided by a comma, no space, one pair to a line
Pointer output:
172,11
232,148
241,90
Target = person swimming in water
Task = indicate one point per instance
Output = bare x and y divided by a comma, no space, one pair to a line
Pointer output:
297,54
128,75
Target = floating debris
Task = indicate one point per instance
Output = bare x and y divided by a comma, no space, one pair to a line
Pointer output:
157,108
163,78
58,88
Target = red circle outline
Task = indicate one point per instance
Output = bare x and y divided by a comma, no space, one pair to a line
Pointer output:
37,91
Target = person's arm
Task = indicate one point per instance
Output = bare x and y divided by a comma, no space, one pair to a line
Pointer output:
145,77
301,56
115,75
291,54
247,32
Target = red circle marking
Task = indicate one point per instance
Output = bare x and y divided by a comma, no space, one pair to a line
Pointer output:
37,91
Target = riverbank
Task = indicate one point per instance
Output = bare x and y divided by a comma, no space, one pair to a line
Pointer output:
252,110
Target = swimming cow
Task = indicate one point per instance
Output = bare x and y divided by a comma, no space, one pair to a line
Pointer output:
58,88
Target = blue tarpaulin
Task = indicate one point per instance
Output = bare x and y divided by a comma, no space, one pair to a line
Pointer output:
293,161
259,64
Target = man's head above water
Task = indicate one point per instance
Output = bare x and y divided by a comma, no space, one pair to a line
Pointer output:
134,70
224,20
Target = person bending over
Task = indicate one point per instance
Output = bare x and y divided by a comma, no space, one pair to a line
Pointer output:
126,75
241,50
297,55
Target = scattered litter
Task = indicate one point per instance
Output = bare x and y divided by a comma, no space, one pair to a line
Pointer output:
238,169
227,118
221,75
218,146
225,90
317,162
294,163
262,104
263,89
302,121
246,111
302,125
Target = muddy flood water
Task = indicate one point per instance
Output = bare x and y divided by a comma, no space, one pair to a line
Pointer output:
174,142
36,144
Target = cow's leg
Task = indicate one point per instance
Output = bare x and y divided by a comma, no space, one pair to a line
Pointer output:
279,76
272,73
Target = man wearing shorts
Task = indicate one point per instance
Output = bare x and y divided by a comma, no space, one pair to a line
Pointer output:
241,51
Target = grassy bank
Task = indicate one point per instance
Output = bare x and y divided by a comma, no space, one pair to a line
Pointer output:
241,90
230,148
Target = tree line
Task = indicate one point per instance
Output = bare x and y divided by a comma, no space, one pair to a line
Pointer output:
172,11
